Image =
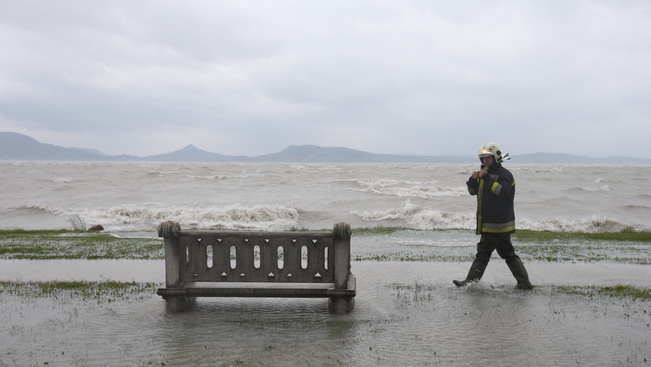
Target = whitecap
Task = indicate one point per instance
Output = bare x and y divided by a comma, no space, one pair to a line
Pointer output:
258,217
596,188
420,218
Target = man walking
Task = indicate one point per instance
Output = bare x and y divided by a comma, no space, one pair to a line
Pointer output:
494,187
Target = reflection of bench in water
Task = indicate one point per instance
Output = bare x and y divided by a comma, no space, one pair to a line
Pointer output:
258,264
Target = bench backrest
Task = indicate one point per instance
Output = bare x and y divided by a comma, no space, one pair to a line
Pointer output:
231,256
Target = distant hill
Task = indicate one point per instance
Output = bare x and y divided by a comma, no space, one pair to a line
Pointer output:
91,151
312,153
190,154
19,147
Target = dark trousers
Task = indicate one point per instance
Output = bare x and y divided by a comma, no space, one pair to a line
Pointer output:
495,241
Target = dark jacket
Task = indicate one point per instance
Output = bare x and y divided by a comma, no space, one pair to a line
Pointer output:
495,193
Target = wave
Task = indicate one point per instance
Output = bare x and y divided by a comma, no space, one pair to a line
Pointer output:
421,218
60,179
424,218
636,207
397,188
588,224
215,177
604,188
596,188
270,217
209,178
56,180
43,208
259,217
542,168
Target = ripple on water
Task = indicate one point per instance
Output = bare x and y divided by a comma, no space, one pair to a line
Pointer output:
405,314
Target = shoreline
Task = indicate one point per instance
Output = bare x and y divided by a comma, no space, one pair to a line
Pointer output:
380,244
432,273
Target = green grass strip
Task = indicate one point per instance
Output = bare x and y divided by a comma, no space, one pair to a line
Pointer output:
66,244
541,236
526,235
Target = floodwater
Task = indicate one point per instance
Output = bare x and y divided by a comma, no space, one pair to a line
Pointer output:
406,313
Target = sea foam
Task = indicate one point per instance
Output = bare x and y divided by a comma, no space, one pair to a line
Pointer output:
257,217
420,218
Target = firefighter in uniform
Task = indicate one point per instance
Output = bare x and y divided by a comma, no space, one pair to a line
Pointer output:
494,187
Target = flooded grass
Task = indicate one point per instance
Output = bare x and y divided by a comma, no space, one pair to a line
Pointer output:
569,237
413,256
400,245
85,290
525,235
419,292
620,247
66,244
458,245
374,231
618,291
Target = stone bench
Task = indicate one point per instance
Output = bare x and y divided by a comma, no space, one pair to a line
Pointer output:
257,264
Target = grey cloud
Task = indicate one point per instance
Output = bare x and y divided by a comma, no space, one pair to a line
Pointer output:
415,77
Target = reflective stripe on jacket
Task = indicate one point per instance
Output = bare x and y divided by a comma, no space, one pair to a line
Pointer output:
495,193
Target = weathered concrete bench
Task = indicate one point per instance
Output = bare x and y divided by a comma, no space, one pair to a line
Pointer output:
257,264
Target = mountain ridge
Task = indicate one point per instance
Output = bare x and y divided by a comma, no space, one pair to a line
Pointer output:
19,147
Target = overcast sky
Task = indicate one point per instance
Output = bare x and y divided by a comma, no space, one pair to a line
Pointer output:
384,76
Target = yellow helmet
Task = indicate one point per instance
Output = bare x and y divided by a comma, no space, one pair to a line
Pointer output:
490,149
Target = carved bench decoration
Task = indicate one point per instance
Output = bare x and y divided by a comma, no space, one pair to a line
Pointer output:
258,264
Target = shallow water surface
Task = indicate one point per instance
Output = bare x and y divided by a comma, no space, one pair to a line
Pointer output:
405,314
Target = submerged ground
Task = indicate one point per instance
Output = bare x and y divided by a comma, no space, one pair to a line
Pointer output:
79,298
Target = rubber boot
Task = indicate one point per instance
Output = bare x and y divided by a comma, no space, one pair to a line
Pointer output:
519,272
475,273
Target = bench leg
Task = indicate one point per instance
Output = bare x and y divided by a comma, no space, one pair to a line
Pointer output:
179,304
341,305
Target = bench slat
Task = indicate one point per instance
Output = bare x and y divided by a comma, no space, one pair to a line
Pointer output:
214,289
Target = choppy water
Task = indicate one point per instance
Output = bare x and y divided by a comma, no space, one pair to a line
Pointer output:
132,196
